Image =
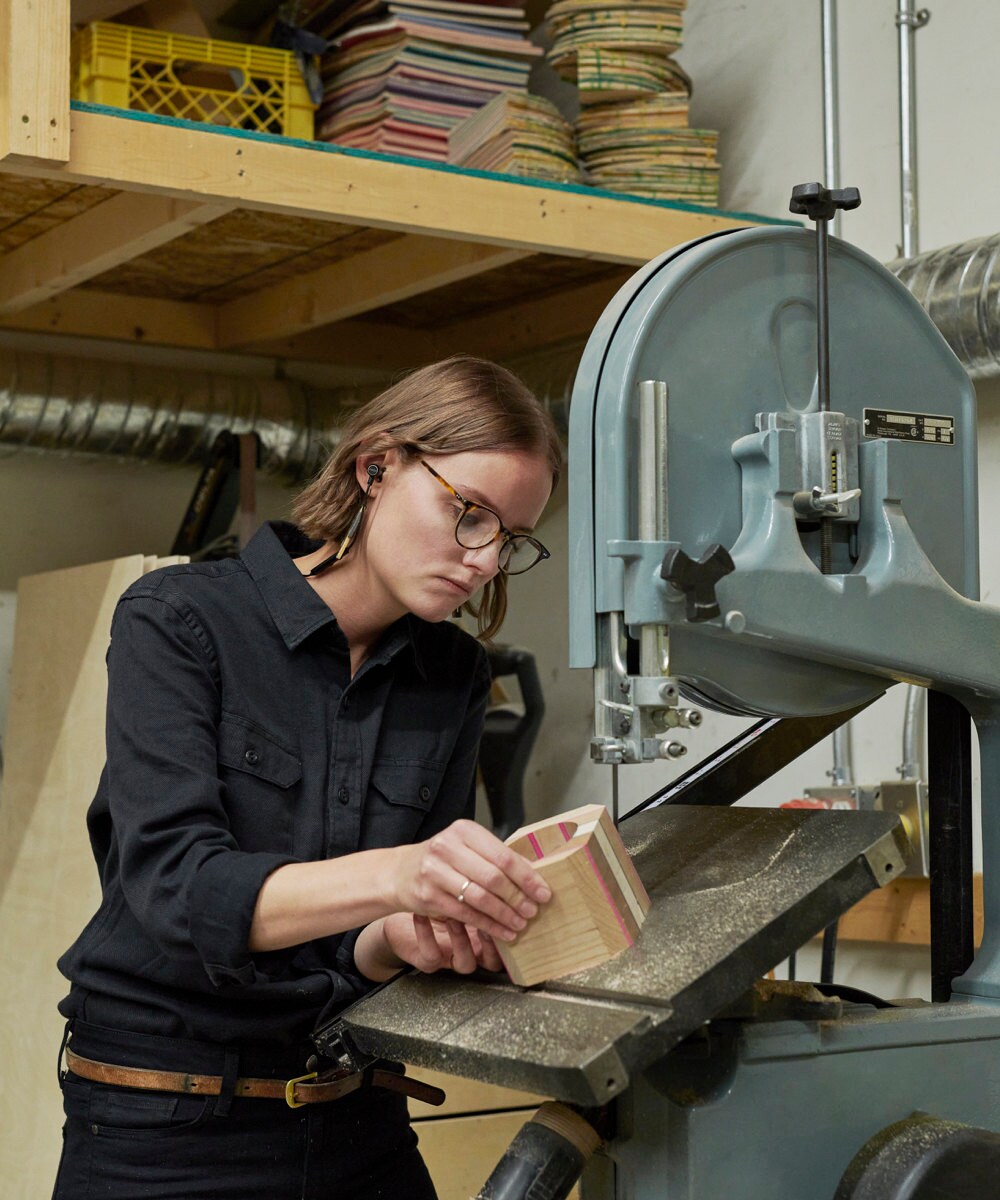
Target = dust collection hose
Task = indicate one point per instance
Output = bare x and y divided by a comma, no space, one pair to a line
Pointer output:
546,1158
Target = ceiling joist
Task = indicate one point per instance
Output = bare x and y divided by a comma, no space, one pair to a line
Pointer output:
116,317
121,228
401,269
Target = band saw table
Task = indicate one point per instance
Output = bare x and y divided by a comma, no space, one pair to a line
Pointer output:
773,512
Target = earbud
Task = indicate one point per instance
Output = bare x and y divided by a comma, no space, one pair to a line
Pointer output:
375,473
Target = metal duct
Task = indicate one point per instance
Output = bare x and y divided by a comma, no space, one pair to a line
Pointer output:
959,286
92,407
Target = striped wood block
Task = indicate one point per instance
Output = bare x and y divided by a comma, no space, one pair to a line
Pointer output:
598,901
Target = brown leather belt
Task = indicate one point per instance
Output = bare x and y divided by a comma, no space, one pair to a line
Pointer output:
306,1089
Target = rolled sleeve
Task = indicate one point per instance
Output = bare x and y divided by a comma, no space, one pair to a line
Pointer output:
185,879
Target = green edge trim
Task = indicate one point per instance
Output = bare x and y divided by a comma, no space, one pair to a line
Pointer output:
578,189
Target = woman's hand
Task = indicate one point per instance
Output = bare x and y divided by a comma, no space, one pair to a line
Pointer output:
466,875
402,939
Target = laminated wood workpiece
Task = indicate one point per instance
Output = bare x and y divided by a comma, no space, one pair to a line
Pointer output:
598,901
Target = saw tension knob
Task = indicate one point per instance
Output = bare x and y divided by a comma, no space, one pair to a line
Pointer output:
818,203
697,578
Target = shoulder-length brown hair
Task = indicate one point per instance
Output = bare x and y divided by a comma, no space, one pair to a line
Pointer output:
457,405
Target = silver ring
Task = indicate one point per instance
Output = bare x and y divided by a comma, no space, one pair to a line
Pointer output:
462,890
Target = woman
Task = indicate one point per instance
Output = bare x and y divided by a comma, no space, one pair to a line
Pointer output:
283,818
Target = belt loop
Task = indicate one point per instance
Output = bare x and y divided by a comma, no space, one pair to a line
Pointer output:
60,1073
230,1073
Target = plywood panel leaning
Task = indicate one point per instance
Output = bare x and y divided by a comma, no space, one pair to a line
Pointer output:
598,901
54,753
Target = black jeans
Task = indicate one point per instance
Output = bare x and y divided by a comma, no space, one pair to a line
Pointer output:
125,1144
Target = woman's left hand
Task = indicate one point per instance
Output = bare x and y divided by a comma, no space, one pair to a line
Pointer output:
425,943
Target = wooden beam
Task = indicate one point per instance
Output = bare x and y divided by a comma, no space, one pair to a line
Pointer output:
85,11
387,274
34,80
533,324
120,318
900,912
357,343
503,335
123,151
122,228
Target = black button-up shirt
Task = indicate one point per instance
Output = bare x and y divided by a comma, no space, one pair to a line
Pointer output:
237,741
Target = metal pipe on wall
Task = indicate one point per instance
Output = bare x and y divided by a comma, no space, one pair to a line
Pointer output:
831,92
908,21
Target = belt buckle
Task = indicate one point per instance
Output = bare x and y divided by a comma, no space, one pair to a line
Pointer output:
290,1089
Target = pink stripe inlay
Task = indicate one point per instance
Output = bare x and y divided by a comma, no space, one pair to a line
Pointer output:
604,887
534,843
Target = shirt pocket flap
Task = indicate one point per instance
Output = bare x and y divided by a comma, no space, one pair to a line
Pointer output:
250,750
414,784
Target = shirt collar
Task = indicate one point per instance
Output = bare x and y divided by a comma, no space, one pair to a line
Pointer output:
295,608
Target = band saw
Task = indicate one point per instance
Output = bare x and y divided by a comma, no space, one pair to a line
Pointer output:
773,507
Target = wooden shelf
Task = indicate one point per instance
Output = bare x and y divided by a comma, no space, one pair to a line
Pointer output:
145,229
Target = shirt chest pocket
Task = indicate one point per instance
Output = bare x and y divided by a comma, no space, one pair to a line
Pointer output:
400,796
261,779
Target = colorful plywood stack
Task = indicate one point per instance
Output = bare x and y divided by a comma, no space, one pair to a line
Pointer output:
401,74
633,134
517,135
598,901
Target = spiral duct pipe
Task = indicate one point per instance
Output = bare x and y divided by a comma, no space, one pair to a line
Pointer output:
90,407
97,408
959,286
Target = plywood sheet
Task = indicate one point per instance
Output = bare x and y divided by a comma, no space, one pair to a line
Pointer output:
54,753
31,207
242,252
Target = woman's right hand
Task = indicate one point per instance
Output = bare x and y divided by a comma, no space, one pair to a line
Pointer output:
466,874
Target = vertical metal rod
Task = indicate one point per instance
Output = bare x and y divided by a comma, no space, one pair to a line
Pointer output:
908,21
652,501
831,89
910,767
949,796
842,774
822,315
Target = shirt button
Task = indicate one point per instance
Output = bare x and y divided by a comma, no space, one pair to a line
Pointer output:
343,795
252,757
425,792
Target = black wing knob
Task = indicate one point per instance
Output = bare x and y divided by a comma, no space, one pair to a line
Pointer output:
697,579
818,203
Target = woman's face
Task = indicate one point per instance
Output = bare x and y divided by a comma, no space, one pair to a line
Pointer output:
410,547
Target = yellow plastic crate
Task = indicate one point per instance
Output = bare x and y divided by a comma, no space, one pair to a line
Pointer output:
198,79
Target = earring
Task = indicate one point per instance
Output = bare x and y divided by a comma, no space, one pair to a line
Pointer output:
375,473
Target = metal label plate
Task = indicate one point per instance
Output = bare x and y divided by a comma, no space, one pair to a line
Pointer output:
909,426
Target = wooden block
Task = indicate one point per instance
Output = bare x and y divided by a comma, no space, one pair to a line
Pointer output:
900,913
34,80
598,901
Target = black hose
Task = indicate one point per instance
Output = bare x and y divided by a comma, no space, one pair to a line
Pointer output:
546,1158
